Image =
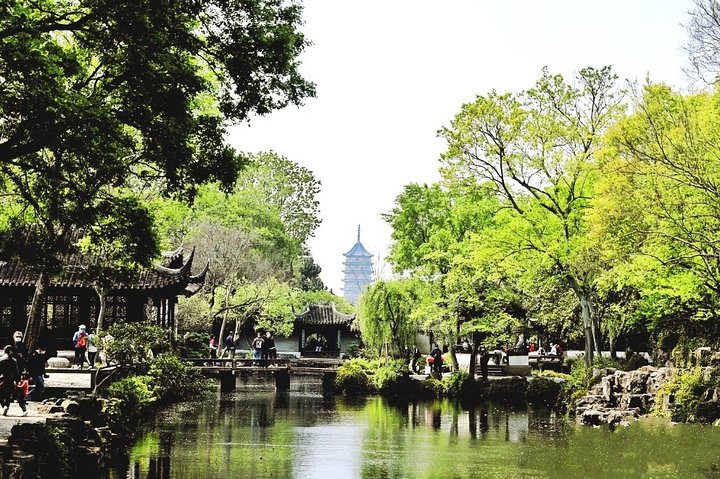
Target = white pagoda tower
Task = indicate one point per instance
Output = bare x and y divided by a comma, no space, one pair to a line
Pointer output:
357,270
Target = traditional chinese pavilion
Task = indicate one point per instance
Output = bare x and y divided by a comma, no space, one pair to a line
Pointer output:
357,270
71,300
321,331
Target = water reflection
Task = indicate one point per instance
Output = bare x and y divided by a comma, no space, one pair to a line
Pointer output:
257,433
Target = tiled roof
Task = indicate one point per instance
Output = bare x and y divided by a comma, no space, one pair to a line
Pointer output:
324,315
13,273
358,250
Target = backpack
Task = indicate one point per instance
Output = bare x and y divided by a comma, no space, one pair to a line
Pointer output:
81,341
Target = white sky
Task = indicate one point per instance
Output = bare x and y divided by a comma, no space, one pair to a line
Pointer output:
391,73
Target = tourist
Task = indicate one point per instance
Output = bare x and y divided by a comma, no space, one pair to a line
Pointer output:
20,351
36,369
415,357
23,387
92,349
257,345
484,359
229,346
553,350
271,349
9,377
437,361
80,344
213,347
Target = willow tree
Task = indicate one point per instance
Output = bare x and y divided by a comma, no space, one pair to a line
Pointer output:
385,316
537,149
93,93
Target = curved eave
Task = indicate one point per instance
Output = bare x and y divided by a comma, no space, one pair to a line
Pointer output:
183,270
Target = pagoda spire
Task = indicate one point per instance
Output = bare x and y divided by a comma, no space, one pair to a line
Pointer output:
358,234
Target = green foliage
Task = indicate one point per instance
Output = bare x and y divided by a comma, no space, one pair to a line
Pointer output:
193,314
543,391
507,389
172,380
103,99
455,382
128,400
692,391
194,345
352,379
385,315
135,342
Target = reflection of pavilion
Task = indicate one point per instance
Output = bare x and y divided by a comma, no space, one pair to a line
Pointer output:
322,331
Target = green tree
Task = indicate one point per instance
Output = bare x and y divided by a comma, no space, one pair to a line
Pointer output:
385,316
94,93
289,188
538,151
657,213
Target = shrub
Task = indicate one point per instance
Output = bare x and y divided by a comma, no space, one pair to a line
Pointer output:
352,379
456,382
507,389
543,391
194,345
128,399
174,380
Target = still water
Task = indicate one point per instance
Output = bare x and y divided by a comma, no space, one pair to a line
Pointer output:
256,433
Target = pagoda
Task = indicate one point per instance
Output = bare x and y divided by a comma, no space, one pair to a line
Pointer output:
357,270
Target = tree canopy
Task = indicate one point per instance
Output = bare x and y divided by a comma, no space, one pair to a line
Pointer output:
96,93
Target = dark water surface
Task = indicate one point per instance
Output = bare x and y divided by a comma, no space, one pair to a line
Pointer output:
257,433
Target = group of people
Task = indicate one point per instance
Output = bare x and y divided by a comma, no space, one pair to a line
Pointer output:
262,347
555,350
18,368
85,345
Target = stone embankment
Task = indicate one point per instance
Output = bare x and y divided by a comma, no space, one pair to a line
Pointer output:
621,396
57,439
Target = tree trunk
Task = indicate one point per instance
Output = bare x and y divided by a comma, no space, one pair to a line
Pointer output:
596,328
585,308
32,328
473,355
588,329
221,339
613,351
102,298
453,357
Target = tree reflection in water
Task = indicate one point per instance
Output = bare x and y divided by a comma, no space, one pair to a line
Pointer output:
257,433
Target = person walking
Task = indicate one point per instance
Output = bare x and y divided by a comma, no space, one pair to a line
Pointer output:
20,351
437,363
92,349
36,369
415,357
229,346
9,378
213,348
80,344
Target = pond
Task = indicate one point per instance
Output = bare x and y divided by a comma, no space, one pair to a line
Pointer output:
256,433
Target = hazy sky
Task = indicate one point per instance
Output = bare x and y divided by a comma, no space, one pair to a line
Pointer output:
391,73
